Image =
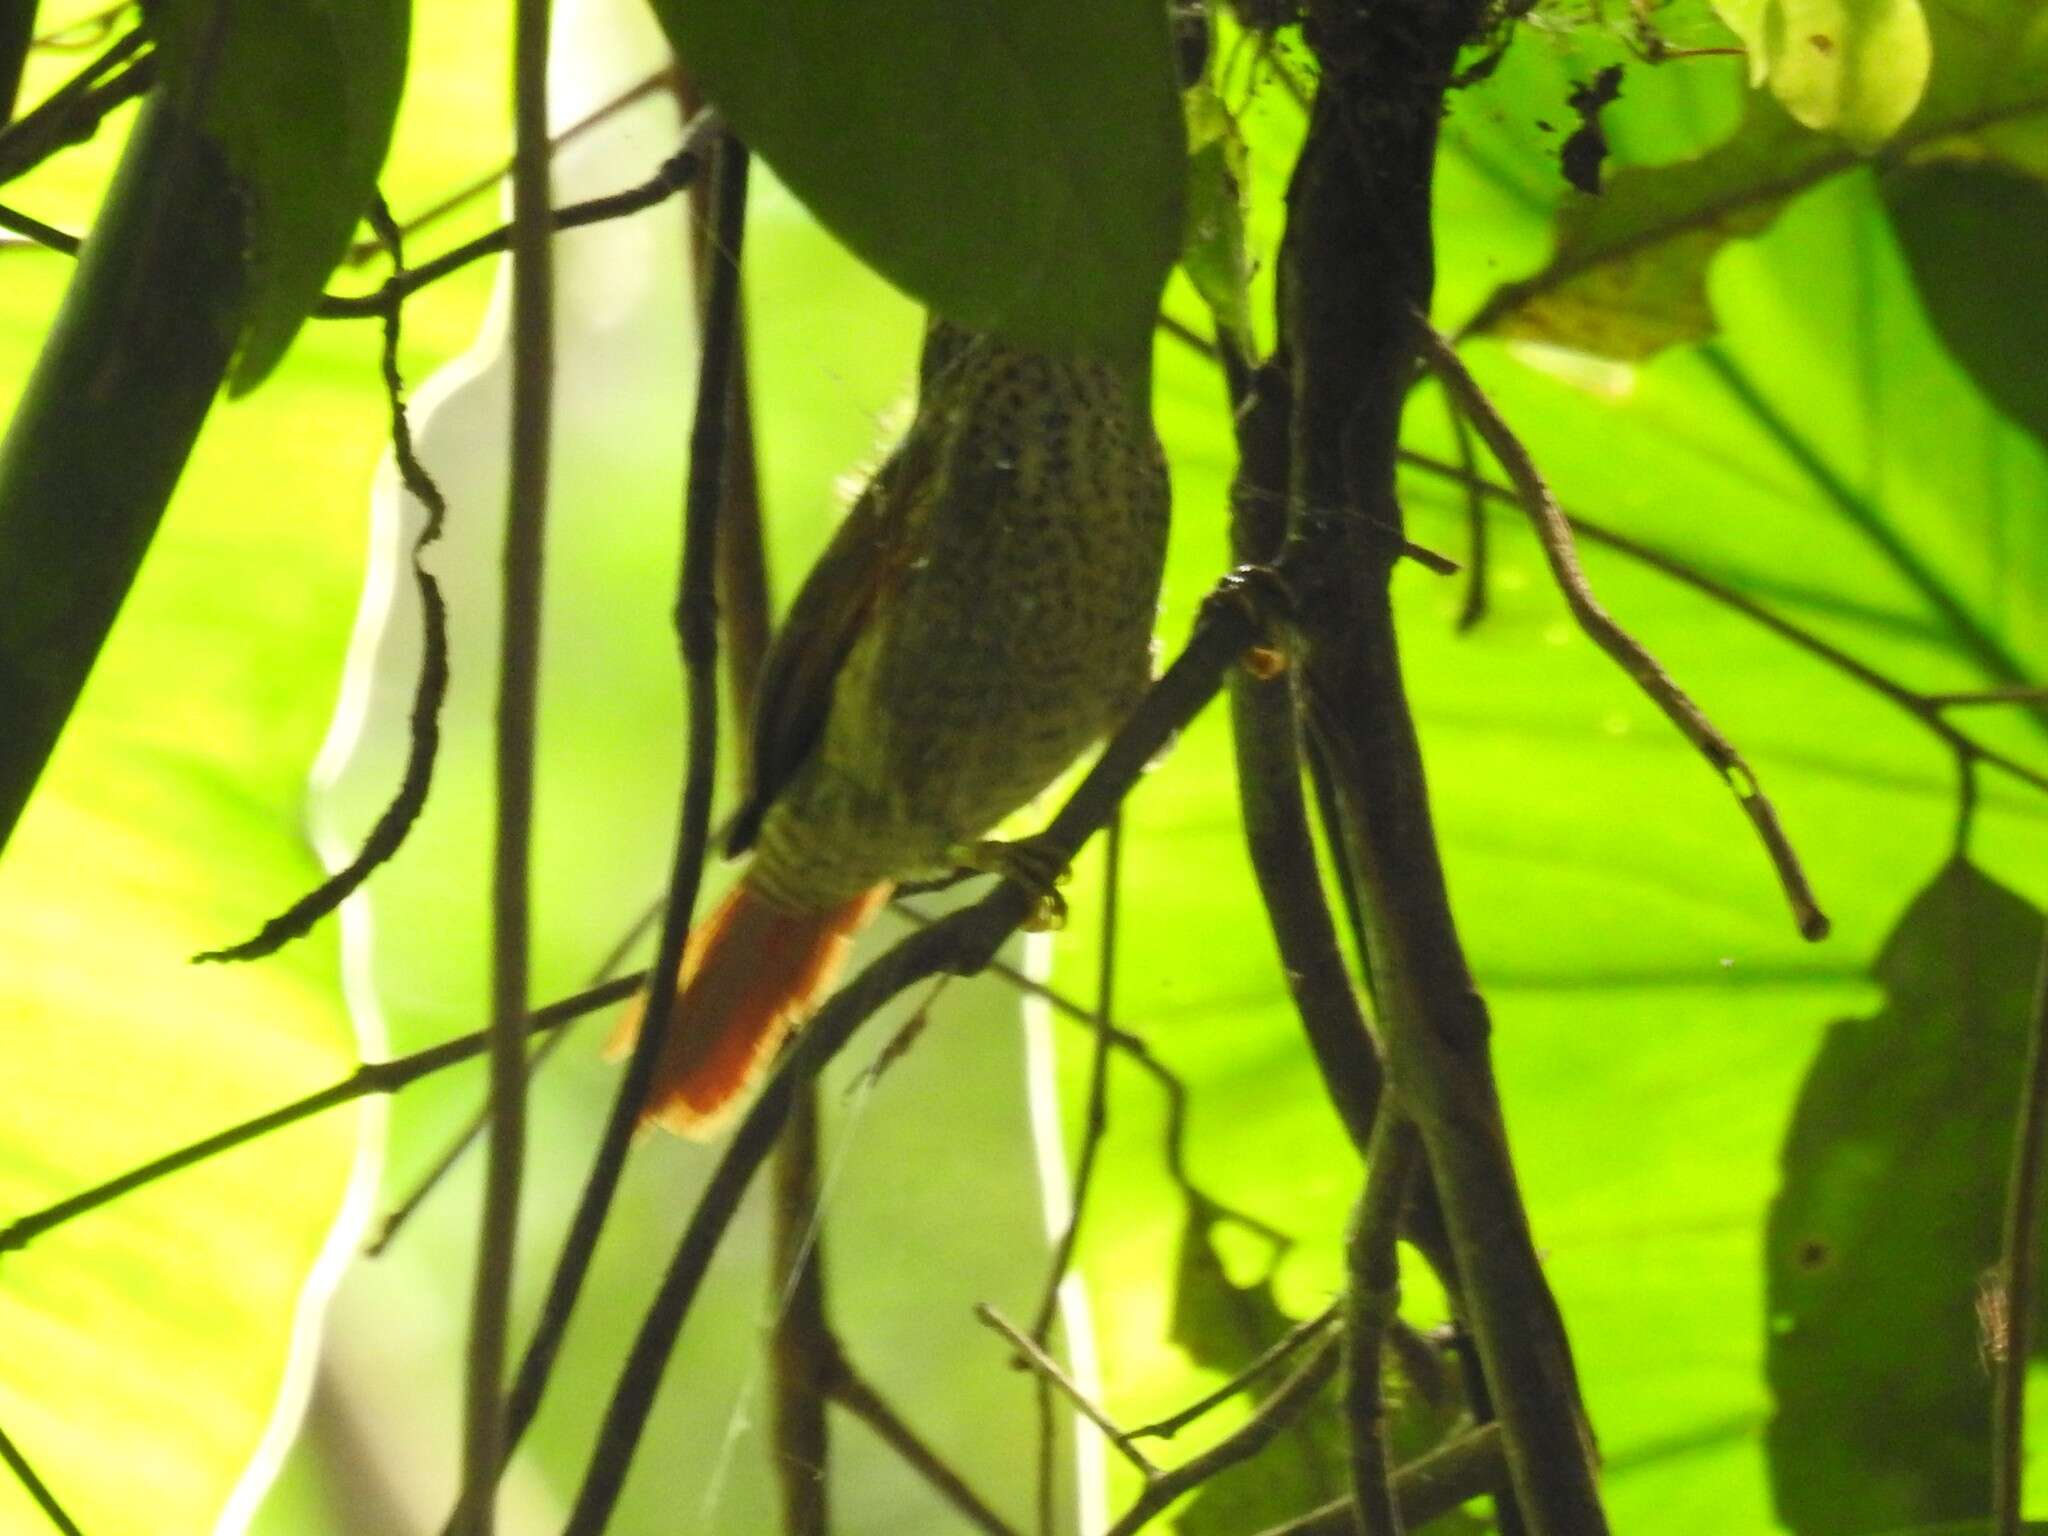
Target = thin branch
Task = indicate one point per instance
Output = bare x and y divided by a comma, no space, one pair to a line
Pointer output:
674,174
424,730
1972,697
851,1391
1923,707
1474,610
370,1078
1278,1352
1553,532
1372,1300
1095,1118
2018,1270
363,250
697,632
72,113
484,1440
962,943
1048,1370
801,1344
677,172
1288,1402
1424,1490
1460,1344
393,1221
35,231
36,1488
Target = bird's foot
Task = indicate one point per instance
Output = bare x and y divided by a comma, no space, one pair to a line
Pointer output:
1264,596
1033,865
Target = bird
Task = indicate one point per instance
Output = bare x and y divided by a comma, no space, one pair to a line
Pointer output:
982,615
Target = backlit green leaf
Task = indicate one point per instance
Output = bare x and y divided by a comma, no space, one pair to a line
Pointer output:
1628,274
1851,67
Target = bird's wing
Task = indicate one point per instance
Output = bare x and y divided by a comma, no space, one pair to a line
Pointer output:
838,597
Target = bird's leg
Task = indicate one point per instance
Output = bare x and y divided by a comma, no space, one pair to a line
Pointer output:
1030,863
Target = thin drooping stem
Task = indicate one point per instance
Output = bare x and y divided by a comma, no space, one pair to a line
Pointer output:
852,1392
1048,1370
370,1078
697,630
1427,1488
532,350
1278,1352
1554,535
1372,1299
1473,610
1095,1117
2018,1271
423,740
962,943
1289,1401
33,1484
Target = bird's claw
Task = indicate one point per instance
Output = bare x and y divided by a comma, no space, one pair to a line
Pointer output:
1030,863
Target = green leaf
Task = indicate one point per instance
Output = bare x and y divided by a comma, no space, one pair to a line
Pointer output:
135,357
1213,251
1889,1217
146,1343
1628,274
1852,67
300,95
1976,238
1018,167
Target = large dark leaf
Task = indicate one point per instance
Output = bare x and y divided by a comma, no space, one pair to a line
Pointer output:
1976,239
1017,166
301,101
1888,1217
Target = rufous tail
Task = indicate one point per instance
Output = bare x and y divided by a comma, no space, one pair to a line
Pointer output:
750,973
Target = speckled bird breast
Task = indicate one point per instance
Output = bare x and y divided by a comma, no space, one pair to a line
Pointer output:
1015,632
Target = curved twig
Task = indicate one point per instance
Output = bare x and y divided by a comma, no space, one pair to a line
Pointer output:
1554,533
388,835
